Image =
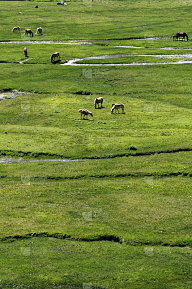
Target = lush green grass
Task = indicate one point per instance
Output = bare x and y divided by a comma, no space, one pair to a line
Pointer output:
37,263
96,20
124,197
143,201
51,124
139,200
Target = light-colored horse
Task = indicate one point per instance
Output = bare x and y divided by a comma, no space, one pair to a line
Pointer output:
25,52
39,31
85,112
97,101
28,31
117,106
16,28
54,56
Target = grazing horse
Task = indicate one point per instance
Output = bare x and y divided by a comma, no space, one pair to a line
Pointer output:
55,55
97,101
85,112
116,106
16,28
39,31
25,52
179,35
28,31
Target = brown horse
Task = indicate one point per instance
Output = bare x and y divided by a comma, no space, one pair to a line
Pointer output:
39,31
28,31
16,28
85,112
25,52
55,55
179,35
97,101
116,106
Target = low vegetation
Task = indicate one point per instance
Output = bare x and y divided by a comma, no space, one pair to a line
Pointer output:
117,213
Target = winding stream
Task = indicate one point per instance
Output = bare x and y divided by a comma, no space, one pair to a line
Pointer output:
73,62
20,160
69,42
177,56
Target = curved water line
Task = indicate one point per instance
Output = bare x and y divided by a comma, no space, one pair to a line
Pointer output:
177,56
70,42
21,160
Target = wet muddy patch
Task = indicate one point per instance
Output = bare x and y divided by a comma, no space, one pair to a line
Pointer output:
10,94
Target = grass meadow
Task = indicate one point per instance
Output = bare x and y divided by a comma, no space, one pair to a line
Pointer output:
117,213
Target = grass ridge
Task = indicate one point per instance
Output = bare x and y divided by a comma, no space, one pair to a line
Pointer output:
11,153
94,238
132,175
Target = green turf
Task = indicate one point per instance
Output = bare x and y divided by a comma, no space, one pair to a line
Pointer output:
134,190
37,263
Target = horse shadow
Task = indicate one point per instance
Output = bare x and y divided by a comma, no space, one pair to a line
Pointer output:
88,119
99,107
56,61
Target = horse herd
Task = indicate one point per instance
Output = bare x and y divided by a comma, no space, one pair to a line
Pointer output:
29,31
56,56
177,36
97,101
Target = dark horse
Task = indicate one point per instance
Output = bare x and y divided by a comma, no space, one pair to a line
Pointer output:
55,55
179,35
28,31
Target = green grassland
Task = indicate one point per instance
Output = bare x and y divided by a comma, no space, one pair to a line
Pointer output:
80,261
97,19
55,218
120,215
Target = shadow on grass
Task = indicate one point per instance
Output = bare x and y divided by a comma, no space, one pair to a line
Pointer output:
56,61
87,119
3,61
